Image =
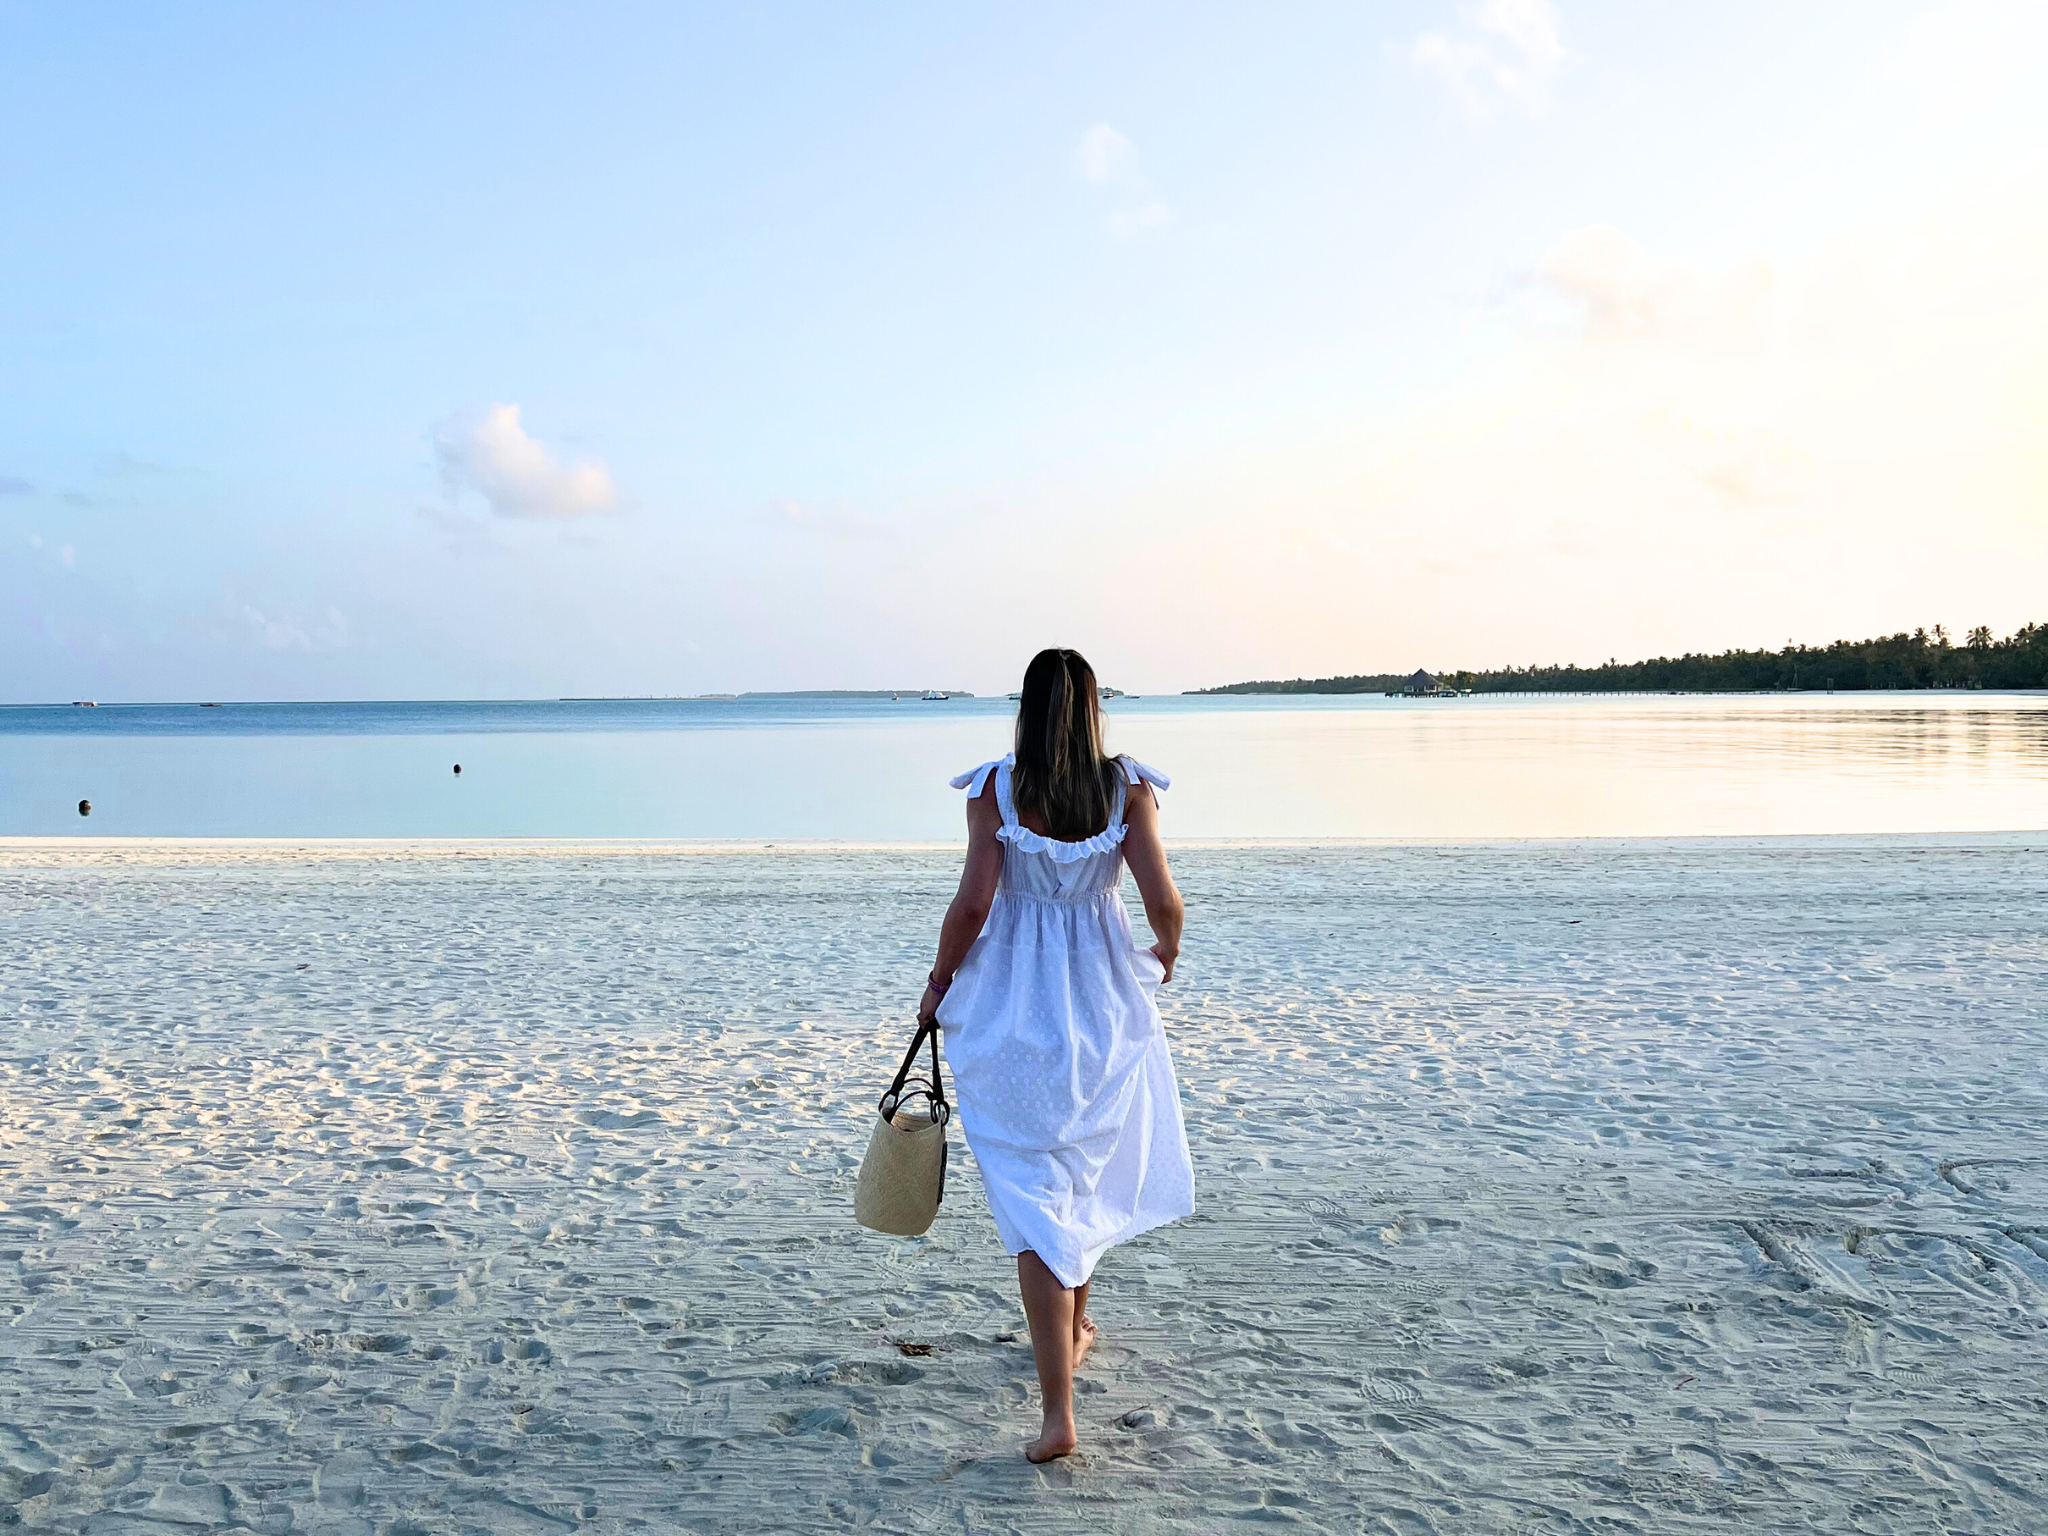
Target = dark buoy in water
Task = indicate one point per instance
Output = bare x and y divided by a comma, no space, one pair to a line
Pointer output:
85,807
458,769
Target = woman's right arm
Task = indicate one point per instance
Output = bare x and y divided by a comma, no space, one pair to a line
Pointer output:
977,893
1146,856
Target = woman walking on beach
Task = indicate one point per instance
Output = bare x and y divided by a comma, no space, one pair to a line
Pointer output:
1067,1096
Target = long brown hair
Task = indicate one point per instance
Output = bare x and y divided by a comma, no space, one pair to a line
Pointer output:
1061,771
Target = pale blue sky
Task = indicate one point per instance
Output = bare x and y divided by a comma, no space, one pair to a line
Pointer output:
866,347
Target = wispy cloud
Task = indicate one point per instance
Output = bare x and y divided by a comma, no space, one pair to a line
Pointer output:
1104,158
277,634
131,464
1687,333
462,533
1622,293
63,554
1508,53
490,453
1649,444
1642,392
14,485
294,634
830,522
1103,154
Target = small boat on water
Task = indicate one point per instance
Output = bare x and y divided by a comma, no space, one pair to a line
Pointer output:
85,703
933,696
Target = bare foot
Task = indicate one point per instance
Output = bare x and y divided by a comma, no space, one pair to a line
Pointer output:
1084,1340
1053,1442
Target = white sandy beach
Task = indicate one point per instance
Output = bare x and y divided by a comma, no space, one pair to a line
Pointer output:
1546,1187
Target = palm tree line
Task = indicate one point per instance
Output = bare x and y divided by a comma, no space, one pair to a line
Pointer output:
1926,658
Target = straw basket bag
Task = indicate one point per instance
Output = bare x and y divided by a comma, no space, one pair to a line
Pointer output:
903,1176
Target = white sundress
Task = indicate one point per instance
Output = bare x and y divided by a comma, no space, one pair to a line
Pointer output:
1067,1096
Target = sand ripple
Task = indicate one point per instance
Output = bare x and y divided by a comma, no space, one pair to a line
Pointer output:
1616,1187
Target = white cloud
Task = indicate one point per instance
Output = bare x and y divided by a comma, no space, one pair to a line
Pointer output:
1508,53
1896,363
1103,154
1105,158
65,554
832,522
277,634
492,454
1623,293
1149,214
292,634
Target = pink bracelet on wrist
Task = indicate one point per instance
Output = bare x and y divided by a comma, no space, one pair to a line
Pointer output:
932,980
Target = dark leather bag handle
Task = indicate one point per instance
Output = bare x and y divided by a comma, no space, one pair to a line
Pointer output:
934,1088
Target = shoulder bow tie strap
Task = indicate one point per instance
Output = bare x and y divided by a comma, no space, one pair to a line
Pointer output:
1137,773
974,780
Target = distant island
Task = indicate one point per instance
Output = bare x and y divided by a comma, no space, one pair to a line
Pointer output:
1923,659
791,693
862,693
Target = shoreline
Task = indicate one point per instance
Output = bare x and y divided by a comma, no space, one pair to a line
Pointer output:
2017,837
907,696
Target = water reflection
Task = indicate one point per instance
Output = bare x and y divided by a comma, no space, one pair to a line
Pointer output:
872,770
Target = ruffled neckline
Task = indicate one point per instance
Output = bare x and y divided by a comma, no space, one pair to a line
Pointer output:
1025,840
1028,841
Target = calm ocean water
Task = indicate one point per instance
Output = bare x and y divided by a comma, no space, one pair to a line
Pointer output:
872,769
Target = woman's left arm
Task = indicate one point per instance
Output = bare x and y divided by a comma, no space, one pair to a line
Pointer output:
977,893
1145,856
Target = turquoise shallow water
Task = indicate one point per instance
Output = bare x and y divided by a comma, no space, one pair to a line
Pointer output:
876,770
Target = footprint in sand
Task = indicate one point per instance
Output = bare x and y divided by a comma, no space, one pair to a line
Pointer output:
1414,1289
1389,1388
614,1120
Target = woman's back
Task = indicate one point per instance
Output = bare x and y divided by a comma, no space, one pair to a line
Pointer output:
1065,1089
1042,868
1054,1035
